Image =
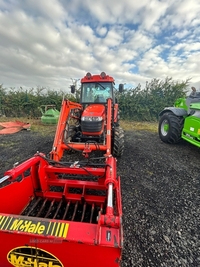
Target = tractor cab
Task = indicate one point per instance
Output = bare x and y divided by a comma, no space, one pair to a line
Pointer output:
187,103
192,100
96,92
97,89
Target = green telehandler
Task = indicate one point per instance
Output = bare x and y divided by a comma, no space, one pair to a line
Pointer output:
182,121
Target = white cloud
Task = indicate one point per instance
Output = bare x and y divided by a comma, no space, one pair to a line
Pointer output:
52,10
182,34
101,31
112,39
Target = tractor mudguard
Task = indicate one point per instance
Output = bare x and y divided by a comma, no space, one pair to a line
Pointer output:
176,111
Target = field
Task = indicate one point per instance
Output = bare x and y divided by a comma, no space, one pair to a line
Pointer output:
160,192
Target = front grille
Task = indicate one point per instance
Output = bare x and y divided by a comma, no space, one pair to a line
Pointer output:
91,126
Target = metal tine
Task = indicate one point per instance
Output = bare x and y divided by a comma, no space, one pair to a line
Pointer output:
49,210
83,214
101,208
92,211
32,198
100,211
66,210
59,205
75,210
33,207
39,212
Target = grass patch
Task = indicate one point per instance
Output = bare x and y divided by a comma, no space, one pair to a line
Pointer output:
44,129
139,126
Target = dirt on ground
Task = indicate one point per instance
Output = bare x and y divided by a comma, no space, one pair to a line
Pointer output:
160,194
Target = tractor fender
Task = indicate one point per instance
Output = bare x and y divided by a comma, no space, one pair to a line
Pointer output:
177,111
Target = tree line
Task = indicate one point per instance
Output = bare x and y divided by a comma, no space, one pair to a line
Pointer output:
144,104
138,104
26,103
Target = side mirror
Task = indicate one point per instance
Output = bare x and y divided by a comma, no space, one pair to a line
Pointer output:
121,87
72,89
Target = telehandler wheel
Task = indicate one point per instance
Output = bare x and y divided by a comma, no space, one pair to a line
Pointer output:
118,142
170,128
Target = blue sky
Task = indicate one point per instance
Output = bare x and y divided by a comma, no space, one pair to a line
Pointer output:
48,43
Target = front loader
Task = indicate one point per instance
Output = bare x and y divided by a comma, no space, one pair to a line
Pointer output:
57,213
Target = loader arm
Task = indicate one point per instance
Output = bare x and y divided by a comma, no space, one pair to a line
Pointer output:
58,145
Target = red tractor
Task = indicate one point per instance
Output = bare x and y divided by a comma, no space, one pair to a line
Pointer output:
94,123
55,213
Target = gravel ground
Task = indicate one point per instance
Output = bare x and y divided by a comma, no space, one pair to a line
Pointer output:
160,194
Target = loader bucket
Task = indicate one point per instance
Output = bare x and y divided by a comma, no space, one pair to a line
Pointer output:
55,214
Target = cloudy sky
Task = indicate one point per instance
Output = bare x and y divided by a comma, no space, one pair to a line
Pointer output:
49,42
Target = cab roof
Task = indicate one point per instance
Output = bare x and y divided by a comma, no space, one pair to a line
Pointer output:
103,77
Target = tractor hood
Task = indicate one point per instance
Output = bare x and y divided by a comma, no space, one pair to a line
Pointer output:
92,120
94,110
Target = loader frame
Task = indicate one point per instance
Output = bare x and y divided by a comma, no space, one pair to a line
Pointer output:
59,146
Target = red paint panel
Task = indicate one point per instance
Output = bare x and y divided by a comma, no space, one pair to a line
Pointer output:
74,254
94,110
97,78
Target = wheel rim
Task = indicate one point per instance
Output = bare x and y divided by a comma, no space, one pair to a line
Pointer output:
164,127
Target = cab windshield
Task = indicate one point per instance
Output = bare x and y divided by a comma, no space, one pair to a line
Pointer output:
96,92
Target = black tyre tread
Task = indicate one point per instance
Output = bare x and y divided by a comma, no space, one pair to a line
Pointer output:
175,128
70,132
118,142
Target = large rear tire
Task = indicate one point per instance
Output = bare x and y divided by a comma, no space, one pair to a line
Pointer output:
170,128
118,142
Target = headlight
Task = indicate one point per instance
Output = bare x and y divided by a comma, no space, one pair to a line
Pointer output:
98,118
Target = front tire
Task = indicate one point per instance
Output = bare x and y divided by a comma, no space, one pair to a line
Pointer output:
170,128
69,132
118,142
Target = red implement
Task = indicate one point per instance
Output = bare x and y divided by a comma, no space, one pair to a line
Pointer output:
55,215
13,127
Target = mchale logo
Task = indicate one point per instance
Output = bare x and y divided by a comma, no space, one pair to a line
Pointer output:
33,257
34,226
28,226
